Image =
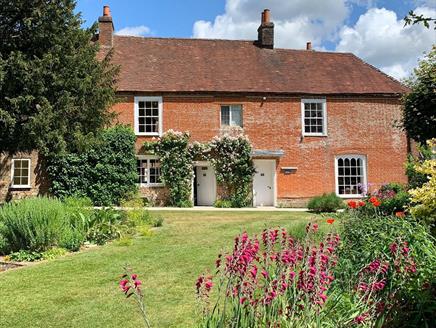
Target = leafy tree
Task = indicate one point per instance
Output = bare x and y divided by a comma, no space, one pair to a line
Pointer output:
419,119
54,92
413,18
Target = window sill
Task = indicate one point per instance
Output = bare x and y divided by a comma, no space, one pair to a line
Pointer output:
151,185
314,135
20,187
147,134
350,196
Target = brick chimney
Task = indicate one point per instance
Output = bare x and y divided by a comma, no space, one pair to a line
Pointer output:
106,29
309,45
265,32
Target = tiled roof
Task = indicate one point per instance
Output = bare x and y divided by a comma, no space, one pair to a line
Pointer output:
228,66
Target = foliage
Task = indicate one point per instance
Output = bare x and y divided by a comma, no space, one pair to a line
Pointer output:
105,225
55,92
419,119
396,251
105,173
130,285
34,224
156,221
25,256
223,203
176,165
231,159
124,241
415,178
413,18
54,253
272,282
325,203
424,198
393,198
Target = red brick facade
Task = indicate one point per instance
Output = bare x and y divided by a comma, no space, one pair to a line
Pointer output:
364,126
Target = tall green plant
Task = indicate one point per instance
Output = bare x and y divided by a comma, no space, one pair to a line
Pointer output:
33,224
231,158
54,90
105,172
176,159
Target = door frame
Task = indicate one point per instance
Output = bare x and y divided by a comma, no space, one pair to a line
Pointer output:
273,163
214,185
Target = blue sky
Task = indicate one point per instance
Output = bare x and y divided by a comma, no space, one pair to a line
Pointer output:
372,29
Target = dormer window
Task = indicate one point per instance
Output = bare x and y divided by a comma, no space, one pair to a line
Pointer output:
148,116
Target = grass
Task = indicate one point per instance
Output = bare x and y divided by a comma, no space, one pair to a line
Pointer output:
81,290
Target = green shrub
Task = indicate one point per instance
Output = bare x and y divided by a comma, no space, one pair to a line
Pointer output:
393,198
53,253
105,225
223,203
367,238
156,221
176,159
25,256
34,224
124,241
325,203
105,173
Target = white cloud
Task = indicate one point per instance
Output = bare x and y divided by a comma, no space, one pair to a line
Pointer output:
296,22
380,38
141,30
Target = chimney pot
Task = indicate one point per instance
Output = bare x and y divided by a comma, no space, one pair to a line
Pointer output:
309,46
265,32
106,11
266,15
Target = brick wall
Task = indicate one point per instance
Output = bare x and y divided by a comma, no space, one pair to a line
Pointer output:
363,126
38,180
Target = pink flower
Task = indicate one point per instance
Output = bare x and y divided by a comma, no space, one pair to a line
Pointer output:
253,272
208,285
242,300
315,227
137,283
124,282
134,276
264,274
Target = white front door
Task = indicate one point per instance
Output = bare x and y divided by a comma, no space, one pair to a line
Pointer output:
206,185
263,182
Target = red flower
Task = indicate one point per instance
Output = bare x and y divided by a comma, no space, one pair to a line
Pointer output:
352,204
330,221
134,276
361,203
400,214
374,201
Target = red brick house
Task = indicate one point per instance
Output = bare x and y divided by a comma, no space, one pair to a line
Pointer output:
318,122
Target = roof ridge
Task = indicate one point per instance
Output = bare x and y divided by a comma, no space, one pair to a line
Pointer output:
229,40
379,70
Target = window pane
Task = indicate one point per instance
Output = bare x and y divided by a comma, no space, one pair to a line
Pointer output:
225,115
141,104
350,175
236,116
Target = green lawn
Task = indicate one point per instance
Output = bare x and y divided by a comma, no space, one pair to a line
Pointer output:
81,290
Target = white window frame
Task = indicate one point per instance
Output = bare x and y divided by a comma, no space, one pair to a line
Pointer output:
20,186
230,115
364,167
324,116
148,184
136,115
